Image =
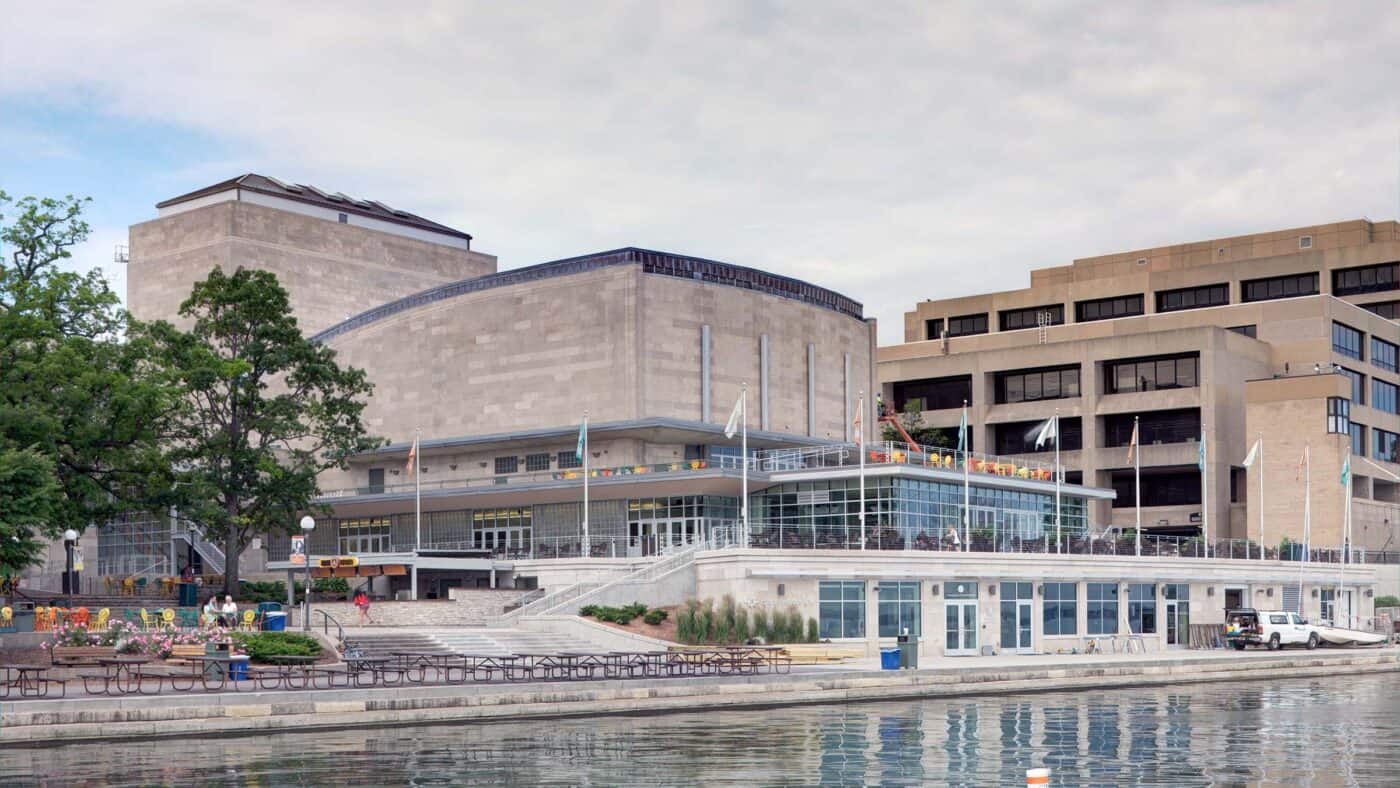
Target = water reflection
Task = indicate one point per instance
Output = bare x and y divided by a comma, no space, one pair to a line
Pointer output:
1308,732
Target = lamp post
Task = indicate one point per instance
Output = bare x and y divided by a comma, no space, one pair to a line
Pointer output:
308,524
70,539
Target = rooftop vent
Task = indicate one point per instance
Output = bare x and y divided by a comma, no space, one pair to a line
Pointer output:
287,187
1305,242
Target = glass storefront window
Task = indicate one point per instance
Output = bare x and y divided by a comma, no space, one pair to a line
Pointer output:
1142,608
899,610
1059,615
841,609
1102,606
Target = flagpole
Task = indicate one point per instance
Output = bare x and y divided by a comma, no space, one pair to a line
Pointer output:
744,444
1137,485
1059,541
417,506
860,443
1307,518
1205,492
586,551
1263,551
1346,538
967,485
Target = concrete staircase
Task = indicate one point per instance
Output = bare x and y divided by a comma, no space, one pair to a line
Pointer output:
382,643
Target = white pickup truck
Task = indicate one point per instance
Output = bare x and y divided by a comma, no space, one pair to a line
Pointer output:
1273,629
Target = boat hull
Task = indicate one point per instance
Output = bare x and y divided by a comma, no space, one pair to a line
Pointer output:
1335,636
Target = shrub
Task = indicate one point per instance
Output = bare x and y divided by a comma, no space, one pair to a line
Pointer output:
741,626
795,629
261,645
654,617
705,631
1388,601
686,623
588,611
760,625
811,630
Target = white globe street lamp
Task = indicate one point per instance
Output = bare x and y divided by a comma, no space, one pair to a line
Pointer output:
70,540
308,524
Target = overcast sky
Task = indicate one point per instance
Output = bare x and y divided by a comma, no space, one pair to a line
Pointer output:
892,152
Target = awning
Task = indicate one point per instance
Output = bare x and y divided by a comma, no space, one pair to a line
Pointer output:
344,571
317,571
395,570
370,571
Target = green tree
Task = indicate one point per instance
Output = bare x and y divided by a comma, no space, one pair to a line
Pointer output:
912,420
79,409
261,410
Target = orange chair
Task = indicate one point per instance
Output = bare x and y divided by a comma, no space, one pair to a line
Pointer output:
56,616
80,617
41,618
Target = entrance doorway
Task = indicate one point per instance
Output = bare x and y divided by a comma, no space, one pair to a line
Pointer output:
651,537
1178,613
1017,601
960,620
1234,598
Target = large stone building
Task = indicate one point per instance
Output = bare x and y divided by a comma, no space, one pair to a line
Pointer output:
1286,336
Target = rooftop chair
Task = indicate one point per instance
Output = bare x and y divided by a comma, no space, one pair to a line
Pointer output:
7,617
141,585
129,586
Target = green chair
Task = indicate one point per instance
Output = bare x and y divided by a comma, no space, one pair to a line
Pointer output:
188,618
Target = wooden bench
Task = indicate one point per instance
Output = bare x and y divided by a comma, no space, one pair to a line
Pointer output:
180,655
817,653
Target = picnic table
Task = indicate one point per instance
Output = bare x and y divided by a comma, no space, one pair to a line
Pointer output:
31,681
287,669
122,673
512,667
421,661
202,665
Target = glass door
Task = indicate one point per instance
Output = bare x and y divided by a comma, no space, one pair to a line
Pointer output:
960,619
1016,611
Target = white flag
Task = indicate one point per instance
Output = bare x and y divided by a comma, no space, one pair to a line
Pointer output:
733,425
1253,453
1047,433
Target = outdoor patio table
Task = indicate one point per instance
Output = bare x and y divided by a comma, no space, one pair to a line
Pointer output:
510,666
127,669
31,682
287,666
202,665
441,663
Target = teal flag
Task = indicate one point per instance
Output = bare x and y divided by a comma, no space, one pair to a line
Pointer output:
1346,470
1201,453
582,432
962,432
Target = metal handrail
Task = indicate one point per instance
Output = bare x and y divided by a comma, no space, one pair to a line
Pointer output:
327,620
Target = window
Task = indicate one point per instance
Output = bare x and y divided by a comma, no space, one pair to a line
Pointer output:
1346,340
1386,445
1305,242
1193,297
363,535
1102,607
1107,308
899,608
1019,437
1060,610
537,462
1156,426
567,459
506,464
1031,317
1339,415
967,325
933,393
1382,395
1250,331
841,609
1159,488
1328,604
1390,310
1383,354
376,481
1279,287
1142,608
933,329
1366,279
1358,384
1150,374
1358,439
1037,384
343,218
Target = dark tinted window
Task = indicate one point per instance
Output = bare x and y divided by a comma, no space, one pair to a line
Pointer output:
1019,437
1390,310
1383,354
1193,297
1358,439
1016,319
1037,384
1358,384
1346,340
1383,396
1169,488
933,329
967,325
1280,287
1150,374
1108,308
1339,415
1366,279
537,462
1159,426
506,464
933,393
1249,331
568,459
1386,445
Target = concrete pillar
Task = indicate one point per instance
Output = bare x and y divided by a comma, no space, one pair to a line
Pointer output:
811,389
705,372
763,381
493,577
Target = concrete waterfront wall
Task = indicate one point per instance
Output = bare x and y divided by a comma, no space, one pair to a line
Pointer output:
25,722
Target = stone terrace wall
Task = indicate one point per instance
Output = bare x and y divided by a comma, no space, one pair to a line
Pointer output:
471,607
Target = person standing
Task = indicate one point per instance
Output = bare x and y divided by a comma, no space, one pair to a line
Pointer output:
362,605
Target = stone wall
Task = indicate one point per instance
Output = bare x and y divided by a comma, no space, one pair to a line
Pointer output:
470,608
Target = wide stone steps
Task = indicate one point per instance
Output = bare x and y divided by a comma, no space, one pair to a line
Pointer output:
465,641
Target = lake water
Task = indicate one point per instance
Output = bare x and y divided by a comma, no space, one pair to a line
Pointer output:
1334,732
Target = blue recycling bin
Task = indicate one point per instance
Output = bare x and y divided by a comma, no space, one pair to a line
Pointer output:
238,668
276,621
889,659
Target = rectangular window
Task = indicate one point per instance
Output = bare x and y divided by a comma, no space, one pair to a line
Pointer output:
1383,354
1366,279
1358,384
1193,297
1102,608
1156,426
1107,308
1037,384
568,459
506,464
1346,340
933,329
1358,439
967,325
1250,331
1382,395
376,481
1339,415
1289,286
1159,488
1032,317
899,608
1019,437
1390,310
537,462
1060,609
841,609
933,393
1142,608
1386,444
1150,374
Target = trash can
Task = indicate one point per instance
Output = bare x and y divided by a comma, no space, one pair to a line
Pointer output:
909,651
238,668
275,621
215,670
889,659
263,609
189,595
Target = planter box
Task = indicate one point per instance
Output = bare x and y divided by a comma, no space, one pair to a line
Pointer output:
79,655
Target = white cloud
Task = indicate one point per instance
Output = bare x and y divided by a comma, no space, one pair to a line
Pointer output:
892,152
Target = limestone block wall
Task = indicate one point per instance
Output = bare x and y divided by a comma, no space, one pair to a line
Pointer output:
333,271
468,607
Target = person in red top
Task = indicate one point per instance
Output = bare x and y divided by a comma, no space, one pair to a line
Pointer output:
362,605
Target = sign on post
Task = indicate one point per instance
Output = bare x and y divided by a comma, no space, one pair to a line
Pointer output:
298,555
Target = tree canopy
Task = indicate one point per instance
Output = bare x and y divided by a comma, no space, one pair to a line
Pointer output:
261,409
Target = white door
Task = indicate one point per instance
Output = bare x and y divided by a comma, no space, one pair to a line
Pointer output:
960,622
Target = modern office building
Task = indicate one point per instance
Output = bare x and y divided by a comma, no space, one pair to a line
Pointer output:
1286,336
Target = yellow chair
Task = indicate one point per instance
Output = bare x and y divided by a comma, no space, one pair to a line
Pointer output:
41,618
56,616
102,616
145,619
167,616
7,616
107,584
129,586
248,616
